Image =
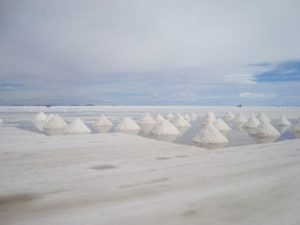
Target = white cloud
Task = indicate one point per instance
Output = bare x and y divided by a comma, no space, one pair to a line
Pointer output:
256,95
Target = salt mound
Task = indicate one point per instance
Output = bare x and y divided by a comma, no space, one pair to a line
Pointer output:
49,117
210,135
1,122
252,122
40,117
263,118
159,118
170,116
103,121
179,121
56,123
221,125
193,116
77,127
209,118
266,130
229,116
147,120
187,117
165,127
240,118
296,127
283,121
128,124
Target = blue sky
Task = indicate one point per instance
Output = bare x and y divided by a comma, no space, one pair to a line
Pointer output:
137,52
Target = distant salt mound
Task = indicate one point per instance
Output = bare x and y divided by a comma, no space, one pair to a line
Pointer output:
56,122
147,120
252,122
103,121
77,127
159,118
229,116
164,128
283,121
1,122
187,117
221,125
209,118
179,121
128,124
210,135
266,130
193,116
240,118
40,117
170,116
262,117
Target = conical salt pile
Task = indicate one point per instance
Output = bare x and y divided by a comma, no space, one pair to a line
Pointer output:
159,118
210,135
266,130
221,125
179,121
240,118
103,121
49,117
229,116
252,122
170,116
147,120
165,127
296,127
40,117
283,121
262,117
193,116
128,124
187,117
209,118
78,127
56,123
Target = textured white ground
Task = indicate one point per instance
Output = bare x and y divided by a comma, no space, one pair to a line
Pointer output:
130,180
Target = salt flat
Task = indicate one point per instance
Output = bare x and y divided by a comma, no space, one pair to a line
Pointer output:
125,179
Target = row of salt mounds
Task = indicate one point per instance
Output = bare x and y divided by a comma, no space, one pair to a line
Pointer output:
147,120
209,118
164,128
240,118
263,118
179,121
265,130
56,122
128,124
103,121
159,118
77,127
210,135
252,122
283,121
221,125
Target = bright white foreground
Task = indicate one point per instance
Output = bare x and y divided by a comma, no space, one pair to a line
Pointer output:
120,179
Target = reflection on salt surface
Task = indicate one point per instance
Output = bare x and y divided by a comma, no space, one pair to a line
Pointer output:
54,131
131,132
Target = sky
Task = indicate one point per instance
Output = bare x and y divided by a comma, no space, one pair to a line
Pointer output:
159,52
